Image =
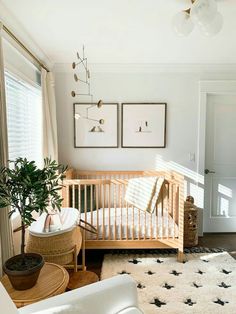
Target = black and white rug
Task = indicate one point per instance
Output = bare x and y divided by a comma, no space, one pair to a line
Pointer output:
205,283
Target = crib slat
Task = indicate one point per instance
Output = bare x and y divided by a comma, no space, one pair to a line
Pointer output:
167,220
73,196
173,205
67,196
115,200
97,200
173,209
103,210
145,224
139,224
109,212
157,220
79,197
127,213
85,205
181,221
120,197
151,231
162,214
100,207
91,203
167,209
127,221
132,222
177,205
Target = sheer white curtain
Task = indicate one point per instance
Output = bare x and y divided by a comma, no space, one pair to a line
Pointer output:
50,146
6,245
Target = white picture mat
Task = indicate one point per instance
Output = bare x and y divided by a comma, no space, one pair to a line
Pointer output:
108,138
135,116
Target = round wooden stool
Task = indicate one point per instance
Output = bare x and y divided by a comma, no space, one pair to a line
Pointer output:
53,280
81,279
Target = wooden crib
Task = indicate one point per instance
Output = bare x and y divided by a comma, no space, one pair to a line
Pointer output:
100,197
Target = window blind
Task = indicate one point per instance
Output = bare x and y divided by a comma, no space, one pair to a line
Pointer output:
24,119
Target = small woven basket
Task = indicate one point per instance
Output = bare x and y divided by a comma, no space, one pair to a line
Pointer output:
190,225
58,249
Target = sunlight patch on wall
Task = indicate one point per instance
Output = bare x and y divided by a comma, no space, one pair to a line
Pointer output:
194,182
225,191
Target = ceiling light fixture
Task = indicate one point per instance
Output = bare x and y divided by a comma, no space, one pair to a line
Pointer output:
203,14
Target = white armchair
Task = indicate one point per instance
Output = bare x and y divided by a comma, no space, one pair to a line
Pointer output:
117,295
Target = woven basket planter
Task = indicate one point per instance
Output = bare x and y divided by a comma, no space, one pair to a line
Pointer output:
190,225
59,249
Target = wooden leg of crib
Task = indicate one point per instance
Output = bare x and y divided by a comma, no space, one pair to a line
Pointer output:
180,256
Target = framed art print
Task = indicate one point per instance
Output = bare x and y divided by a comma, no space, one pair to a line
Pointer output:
95,125
144,125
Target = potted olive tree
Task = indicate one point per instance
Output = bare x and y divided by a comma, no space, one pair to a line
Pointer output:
27,189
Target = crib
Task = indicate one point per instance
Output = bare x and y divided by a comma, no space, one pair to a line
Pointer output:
100,197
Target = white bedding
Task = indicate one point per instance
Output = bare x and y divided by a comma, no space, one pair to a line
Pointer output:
161,226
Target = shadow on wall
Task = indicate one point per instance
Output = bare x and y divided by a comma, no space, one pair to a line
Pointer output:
193,183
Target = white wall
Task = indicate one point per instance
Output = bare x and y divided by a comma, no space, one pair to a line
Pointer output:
181,92
181,96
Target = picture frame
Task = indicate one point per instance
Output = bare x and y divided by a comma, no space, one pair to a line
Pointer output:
88,132
143,125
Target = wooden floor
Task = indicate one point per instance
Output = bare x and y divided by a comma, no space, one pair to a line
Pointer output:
227,241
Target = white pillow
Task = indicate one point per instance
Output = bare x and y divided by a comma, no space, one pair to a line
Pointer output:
131,310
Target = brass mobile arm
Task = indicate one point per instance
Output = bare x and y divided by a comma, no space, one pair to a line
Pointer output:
83,61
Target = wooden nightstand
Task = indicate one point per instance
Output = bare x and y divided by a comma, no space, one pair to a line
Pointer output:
53,280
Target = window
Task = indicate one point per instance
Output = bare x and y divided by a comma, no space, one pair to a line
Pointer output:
24,119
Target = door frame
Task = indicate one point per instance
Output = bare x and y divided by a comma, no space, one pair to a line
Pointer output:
222,87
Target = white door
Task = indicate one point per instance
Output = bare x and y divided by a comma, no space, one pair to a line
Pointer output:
220,164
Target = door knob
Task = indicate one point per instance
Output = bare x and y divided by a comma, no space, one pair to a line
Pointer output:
208,171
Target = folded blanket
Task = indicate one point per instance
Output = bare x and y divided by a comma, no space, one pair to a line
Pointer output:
143,192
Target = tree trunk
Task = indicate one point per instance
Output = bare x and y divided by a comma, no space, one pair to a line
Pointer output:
23,239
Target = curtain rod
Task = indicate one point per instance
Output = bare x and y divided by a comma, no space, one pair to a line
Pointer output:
25,48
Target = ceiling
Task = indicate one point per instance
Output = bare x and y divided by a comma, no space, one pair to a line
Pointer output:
124,31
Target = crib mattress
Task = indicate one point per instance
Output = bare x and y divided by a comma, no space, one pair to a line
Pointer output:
123,222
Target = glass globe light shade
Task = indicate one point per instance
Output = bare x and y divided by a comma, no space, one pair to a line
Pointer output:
203,11
214,26
182,23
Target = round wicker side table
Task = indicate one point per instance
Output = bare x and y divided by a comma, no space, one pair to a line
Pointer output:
53,280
